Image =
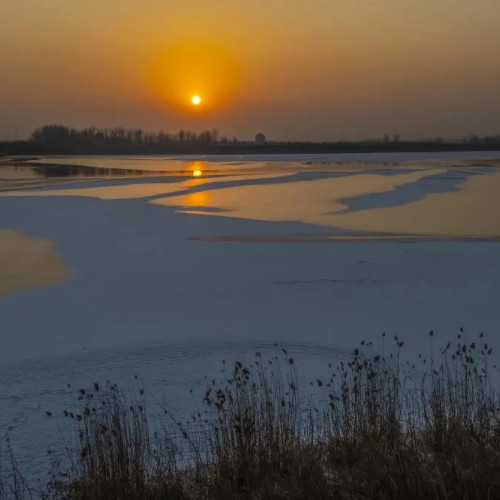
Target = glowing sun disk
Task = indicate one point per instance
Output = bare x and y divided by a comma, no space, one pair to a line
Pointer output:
196,99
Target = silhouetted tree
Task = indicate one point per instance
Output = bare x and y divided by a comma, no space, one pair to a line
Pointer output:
59,139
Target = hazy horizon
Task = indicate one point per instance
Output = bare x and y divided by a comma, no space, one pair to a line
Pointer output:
326,71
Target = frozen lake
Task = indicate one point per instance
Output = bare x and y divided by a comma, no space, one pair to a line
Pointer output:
175,263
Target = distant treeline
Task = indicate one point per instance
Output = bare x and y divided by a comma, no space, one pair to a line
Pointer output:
58,139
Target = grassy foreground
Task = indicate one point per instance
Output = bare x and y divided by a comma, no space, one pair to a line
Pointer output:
381,429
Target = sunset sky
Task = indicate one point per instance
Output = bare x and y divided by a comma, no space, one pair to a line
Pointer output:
293,69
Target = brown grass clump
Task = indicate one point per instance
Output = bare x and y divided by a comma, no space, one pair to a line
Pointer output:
118,457
261,439
400,432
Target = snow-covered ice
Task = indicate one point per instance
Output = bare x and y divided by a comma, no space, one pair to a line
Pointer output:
148,298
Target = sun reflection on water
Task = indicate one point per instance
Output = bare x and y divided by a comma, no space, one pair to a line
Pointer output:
196,199
197,168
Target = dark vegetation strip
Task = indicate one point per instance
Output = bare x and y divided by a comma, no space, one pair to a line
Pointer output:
59,139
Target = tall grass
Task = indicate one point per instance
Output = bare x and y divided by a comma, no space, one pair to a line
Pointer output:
380,428
398,431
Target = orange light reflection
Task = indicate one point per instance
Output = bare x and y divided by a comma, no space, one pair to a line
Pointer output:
197,168
197,199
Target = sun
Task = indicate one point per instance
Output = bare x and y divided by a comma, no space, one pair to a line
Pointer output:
195,76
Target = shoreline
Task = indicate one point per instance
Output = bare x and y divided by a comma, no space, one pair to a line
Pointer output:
343,238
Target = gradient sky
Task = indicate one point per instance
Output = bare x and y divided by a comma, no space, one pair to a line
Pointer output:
293,69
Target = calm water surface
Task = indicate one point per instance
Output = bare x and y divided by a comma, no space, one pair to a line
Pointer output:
443,197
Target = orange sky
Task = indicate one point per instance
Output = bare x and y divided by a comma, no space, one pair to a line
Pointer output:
318,70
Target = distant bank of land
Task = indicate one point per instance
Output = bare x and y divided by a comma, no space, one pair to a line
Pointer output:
34,148
61,140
